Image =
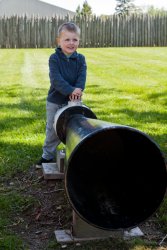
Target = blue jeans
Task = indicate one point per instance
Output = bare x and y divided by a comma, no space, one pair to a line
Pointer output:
51,140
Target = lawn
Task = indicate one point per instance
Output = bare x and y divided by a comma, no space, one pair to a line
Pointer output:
126,86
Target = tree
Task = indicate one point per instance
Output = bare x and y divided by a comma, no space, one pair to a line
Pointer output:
85,11
151,10
78,11
126,7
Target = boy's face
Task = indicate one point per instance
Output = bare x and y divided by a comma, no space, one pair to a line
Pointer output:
68,41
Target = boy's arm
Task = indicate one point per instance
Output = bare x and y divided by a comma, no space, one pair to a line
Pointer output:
81,79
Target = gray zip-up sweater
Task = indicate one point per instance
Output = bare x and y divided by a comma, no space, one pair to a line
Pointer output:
66,74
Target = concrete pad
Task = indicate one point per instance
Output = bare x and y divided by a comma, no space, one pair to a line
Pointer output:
134,232
51,171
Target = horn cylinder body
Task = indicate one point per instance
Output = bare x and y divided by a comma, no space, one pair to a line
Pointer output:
115,175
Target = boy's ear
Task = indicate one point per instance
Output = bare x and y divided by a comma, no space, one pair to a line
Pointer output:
57,41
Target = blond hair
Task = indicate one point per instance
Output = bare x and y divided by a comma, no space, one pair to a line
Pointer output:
69,26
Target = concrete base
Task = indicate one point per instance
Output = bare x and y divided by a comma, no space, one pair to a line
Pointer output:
51,171
134,232
54,171
66,236
82,231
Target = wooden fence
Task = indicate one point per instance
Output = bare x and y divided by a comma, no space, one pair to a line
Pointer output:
114,31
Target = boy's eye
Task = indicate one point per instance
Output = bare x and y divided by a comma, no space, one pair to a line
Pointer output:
68,40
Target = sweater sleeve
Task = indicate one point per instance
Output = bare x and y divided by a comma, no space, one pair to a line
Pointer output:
57,80
81,79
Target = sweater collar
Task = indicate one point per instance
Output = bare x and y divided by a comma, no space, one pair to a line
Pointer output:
60,53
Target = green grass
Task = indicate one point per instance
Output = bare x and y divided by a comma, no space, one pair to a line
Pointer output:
124,85
12,203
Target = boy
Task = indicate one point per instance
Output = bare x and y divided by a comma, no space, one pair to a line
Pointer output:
67,72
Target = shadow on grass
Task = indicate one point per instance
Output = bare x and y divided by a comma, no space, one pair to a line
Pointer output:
17,157
22,130
99,89
22,112
154,96
144,117
17,89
